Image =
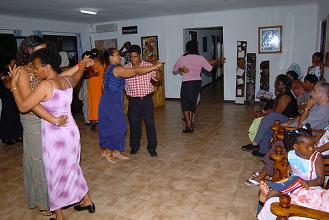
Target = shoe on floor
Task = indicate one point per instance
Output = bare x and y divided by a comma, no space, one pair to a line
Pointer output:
251,182
90,208
256,153
249,147
133,152
153,153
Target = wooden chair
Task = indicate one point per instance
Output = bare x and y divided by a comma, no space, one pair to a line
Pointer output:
278,132
283,209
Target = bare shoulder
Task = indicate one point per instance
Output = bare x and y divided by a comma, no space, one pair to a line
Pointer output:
44,84
22,70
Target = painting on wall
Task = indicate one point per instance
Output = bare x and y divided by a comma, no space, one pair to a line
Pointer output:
270,39
240,72
251,78
150,51
264,75
106,44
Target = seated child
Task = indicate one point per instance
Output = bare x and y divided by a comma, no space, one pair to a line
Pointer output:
307,170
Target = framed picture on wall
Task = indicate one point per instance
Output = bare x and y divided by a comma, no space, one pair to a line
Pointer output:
270,39
106,44
150,51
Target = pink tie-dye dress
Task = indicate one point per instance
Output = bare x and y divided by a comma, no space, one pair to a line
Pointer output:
61,153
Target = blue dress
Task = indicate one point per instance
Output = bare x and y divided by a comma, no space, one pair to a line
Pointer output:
111,117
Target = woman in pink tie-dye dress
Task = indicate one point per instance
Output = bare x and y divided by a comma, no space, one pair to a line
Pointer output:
60,145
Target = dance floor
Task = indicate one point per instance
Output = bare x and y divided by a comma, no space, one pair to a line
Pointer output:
195,176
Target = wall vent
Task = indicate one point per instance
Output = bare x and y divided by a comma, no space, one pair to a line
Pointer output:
99,28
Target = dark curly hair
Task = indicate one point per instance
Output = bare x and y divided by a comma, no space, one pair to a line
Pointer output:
106,55
48,57
293,74
285,80
192,47
311,78
135,49
23,53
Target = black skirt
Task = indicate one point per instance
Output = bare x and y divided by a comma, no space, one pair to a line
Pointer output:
189,93
10,123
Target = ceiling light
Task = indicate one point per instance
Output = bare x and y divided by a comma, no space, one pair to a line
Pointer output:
89,11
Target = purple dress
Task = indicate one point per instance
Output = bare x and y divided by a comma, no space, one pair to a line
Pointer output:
61,153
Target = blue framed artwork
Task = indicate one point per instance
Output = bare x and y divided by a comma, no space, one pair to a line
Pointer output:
270,39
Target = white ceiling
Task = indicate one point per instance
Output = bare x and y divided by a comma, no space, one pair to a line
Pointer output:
111,10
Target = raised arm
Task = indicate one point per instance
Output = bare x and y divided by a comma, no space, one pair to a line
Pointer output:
69,72
218,60
130,72
75,78
24,88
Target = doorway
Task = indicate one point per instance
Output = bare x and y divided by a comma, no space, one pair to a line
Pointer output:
210,40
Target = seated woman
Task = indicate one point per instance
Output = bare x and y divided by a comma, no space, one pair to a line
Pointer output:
304,185
297,85
285,107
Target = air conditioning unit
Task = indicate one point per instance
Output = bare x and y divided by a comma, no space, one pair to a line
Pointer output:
99,28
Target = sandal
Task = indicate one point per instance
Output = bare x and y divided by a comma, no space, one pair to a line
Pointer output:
255,174
251,182
118,154
46,212
108,157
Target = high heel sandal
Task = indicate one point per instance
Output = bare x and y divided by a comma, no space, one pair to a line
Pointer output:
108,157
118,154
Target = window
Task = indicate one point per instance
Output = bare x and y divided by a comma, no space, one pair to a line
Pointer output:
63,43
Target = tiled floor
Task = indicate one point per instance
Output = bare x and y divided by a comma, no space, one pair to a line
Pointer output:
195,176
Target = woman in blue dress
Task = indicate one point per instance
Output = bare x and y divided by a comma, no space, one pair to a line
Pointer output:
111,116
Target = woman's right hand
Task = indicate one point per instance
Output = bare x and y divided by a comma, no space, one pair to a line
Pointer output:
184,69
61,120
310,103
88,61
13,73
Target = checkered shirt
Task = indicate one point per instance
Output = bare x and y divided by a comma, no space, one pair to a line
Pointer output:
140,86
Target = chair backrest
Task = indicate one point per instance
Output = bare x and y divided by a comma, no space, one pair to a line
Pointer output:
279,164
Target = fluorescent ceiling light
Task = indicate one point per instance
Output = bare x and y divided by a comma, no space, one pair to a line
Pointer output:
89,11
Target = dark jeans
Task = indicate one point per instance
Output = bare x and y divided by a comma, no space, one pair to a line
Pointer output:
138,109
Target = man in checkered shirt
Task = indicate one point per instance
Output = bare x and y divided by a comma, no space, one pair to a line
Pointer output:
139,90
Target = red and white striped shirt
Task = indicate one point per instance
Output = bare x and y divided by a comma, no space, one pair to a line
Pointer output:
140,86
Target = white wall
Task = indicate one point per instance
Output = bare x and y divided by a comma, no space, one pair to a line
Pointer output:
300,31
146,27
28,25
299,39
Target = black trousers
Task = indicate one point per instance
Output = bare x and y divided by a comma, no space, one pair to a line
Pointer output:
138,109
